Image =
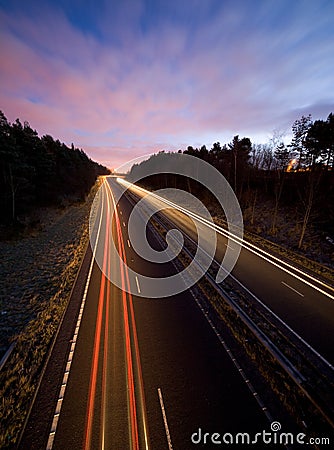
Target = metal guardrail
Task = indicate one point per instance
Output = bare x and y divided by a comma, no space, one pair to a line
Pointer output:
326,408
7,355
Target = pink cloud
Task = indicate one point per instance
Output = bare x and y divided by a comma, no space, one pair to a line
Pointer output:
152,91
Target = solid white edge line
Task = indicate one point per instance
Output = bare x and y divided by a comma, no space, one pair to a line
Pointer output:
248,383
293,289
247,245
280,320
230,247
241,371
162,406
74,340
137,283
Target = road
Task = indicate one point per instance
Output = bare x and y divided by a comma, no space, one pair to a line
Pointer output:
302,302
148,373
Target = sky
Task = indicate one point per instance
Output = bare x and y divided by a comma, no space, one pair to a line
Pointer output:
124,78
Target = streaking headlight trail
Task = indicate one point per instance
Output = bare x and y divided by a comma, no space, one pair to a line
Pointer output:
185,166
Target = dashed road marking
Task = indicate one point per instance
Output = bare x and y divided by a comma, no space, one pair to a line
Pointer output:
137,283
293,289
73,341
162,406
230,247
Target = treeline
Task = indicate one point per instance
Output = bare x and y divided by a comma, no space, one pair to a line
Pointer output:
297,177
39,171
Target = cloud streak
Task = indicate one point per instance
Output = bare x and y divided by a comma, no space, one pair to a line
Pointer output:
133,79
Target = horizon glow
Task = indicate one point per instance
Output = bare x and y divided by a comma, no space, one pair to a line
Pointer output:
123,79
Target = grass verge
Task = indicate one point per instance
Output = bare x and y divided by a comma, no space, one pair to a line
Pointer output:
20,375
294,400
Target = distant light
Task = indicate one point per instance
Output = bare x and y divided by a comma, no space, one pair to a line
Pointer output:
291,164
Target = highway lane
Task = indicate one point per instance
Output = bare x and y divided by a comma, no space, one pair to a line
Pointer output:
99,415
305,309
107,360
146,373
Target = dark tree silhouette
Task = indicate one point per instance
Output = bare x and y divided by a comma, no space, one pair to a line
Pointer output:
259,176
299,130
38,171
241,152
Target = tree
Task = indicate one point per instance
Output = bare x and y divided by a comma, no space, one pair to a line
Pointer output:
35,171
300,129
282,157
240,149
330,150
219,157
319,142
204,153
305,143
256,156
8,158
268,159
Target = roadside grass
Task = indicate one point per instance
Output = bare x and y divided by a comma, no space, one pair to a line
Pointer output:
20,376
291,397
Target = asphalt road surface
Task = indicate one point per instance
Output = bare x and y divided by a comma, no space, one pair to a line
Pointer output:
149,373
303,302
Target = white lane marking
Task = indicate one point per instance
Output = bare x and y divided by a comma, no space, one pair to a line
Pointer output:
73,341
234,359
230,247
128,243
162,406
123,224
241,242
220,230
293,289
230,354
121,213
137,283
279,319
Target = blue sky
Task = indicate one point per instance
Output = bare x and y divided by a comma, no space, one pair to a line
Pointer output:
125,78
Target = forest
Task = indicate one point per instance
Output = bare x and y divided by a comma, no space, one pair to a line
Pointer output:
38,172
286,191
